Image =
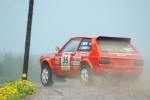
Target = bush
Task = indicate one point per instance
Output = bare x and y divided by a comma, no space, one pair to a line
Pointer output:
16,90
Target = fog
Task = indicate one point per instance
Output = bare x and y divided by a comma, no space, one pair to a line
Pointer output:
61,20
54,22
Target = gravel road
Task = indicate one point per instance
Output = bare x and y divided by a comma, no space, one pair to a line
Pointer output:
102,89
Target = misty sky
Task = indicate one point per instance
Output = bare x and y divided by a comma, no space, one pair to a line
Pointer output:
55,21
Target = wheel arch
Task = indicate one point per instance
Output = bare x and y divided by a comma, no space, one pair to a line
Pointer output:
48,62
90,66
88,62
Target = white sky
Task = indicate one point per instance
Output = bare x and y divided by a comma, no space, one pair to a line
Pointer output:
55,21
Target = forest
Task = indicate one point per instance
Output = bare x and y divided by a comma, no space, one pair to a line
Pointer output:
11,67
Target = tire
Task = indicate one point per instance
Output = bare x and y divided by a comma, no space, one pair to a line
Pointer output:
46,76
85,75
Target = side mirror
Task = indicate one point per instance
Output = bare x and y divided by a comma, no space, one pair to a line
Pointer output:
57,48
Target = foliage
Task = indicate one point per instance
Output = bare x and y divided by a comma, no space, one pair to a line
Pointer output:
16,90
11,66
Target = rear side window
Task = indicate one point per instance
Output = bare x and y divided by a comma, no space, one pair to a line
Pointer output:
115,45
85,45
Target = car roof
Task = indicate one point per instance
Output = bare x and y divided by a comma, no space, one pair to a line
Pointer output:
85,37
102,37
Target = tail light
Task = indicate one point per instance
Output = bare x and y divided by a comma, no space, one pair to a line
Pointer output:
138,63
104,61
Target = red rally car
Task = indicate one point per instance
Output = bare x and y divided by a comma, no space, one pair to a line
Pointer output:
85,56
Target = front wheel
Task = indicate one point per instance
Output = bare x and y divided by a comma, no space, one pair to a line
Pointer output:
85,76
46,75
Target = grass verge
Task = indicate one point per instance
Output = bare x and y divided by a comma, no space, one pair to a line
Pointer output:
16,90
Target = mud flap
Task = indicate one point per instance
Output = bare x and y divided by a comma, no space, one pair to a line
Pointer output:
56,78
93,76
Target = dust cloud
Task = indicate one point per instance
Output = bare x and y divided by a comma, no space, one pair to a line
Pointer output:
103,88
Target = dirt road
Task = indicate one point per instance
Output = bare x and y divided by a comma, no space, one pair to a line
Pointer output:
104,89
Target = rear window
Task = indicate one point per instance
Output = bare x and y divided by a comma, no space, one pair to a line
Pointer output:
115,45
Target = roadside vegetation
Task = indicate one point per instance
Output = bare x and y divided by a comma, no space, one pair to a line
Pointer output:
16,90
11,65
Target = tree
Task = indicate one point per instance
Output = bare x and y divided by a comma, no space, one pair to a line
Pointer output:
1,69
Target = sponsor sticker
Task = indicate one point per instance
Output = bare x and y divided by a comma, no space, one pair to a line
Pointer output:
57,57
121,54
57,62
82,54
52,55
85,47
84,43
65,68
75,62
76,67
76,57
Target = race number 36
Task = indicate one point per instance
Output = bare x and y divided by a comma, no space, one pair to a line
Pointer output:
65,62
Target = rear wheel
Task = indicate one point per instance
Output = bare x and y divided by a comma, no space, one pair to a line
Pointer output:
46,75
85,76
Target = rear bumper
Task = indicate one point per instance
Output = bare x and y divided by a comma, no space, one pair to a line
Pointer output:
120,70
123,71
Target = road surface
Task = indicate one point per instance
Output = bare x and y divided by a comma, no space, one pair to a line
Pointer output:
102,89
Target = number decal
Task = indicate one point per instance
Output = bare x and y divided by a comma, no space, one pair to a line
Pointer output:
65,62
65,59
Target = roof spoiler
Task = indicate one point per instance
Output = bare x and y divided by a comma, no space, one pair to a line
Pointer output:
124,38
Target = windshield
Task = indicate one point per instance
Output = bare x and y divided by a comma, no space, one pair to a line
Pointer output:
115,45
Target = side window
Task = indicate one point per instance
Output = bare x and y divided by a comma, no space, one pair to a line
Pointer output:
71,46
85,45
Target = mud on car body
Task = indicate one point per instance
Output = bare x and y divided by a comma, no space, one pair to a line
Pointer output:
86,55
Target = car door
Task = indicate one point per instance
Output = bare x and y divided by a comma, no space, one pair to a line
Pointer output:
64,57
